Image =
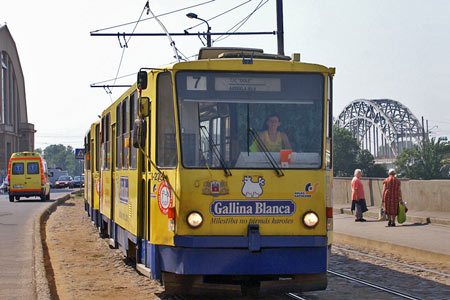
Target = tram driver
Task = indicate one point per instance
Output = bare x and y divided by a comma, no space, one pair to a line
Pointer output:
274,140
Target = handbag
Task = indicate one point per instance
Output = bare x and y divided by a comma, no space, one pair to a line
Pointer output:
401,218
382,213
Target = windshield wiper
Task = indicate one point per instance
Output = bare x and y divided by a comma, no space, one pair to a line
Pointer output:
216,151
269,156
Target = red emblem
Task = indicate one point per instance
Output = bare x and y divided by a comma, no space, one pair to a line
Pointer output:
215,187
165,197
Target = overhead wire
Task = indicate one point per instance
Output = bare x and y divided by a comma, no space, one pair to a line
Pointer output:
185,57
242,22
261,4
121,77
127,42
236,27
147,6
161,15
172,43
221,14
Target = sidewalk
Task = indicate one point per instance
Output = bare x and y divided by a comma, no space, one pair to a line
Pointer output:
424,217
425,234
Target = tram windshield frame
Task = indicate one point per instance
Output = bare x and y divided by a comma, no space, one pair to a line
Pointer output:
218,110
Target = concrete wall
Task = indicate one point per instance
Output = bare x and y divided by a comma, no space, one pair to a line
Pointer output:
420,195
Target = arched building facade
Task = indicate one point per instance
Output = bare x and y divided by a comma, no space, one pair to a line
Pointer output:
16,134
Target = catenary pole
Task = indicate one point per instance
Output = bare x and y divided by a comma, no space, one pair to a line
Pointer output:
280,30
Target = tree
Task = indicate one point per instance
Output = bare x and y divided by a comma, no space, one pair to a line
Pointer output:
345,152
428,162
366,162
60,156
348,156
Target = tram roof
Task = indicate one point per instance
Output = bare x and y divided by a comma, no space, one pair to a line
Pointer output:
246,59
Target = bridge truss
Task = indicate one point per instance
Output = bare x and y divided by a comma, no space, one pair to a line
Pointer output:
384,127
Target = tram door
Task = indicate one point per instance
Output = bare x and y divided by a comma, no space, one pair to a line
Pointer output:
113,172
149,186
143,194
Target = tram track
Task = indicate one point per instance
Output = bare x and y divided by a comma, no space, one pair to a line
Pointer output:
414,267
373,285
431,274
363,282
295,296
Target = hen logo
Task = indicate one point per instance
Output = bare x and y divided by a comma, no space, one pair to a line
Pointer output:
309,191
252,189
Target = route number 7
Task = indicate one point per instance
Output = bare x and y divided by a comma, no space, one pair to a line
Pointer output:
196,83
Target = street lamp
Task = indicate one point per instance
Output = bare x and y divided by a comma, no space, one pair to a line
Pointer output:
208,37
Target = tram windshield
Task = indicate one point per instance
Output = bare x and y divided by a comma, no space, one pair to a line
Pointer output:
233,120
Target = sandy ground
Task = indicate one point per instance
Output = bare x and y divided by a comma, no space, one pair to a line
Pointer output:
84,266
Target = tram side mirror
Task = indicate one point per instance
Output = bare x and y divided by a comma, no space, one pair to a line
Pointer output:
142,80
145,106
139,133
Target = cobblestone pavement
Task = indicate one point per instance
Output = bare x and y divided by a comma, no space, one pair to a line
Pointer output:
413,282
85,267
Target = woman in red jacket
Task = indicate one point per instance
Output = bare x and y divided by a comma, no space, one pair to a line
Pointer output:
358,198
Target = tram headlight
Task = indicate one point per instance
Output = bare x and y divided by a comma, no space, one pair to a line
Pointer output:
310,219
194,219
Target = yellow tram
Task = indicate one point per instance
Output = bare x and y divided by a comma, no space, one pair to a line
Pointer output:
216,173
92,172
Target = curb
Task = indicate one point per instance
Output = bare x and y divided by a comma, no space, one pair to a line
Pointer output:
410,252
40,282
412,219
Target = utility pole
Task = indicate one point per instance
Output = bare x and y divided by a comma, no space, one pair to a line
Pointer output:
423,132
280,30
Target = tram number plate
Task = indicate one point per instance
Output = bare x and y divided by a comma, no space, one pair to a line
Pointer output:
196,83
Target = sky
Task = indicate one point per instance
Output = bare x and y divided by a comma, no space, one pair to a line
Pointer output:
384,49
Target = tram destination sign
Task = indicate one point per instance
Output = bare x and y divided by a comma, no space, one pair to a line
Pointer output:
247,84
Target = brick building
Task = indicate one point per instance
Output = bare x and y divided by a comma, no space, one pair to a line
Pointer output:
16,134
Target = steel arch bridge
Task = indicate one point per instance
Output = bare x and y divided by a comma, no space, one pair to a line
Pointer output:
385,127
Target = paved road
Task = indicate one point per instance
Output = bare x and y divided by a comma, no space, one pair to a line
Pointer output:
16,234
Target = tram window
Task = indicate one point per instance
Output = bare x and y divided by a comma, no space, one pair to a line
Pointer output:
133,116
329,141
102,143
87,161
220,115
108,142
119,154
166,154
125,132
97,148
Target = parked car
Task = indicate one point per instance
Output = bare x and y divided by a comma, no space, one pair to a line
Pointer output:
4,186
78,181
54,174
63,182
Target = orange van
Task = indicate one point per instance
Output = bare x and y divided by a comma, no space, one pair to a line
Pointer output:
27,176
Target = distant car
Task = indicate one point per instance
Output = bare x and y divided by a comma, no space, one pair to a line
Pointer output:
63,182
4,186
78,181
